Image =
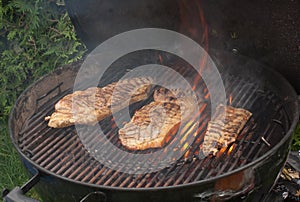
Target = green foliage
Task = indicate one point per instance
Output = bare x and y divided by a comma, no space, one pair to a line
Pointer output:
36,36
296,139
13,173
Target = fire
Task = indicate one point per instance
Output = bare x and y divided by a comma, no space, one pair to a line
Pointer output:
198,77
230,99
187,131
230,149
185,146
186,155
196,29
223,150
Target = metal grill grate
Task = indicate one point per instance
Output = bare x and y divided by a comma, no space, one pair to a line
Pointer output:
61,151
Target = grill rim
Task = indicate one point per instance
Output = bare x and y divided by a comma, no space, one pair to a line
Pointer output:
254,163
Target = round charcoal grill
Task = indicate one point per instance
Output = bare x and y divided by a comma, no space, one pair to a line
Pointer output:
245,170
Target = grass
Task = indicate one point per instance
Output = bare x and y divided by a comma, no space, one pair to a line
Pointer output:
12,171
296,138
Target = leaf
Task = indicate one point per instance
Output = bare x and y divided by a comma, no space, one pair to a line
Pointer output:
38,37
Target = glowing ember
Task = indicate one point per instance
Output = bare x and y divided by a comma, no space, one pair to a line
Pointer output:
230,99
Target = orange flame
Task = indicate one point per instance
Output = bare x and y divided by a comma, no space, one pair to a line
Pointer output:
223,149
186,155
196,29
230,99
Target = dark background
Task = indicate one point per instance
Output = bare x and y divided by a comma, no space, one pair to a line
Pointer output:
264,30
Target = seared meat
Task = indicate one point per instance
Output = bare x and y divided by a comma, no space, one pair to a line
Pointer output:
94,104
224,128
184,98
82,107
150,126
136,89
165,95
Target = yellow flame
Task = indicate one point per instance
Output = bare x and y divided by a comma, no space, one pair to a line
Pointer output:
185,146
188,131
230,149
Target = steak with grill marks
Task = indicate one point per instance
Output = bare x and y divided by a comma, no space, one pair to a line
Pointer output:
150,126
187,101
224,128
94,104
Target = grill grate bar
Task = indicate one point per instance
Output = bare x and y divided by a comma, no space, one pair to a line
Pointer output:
203,123
34,122
263,148
89,172
181,172
232,156
210,169
256,146
235,155
103,177
65,159
36,138
50,142
138,178
190,131
227,156
102,171
80,164
52,152
61,151
116,173
121,180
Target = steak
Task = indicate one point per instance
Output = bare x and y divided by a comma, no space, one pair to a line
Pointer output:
150,126
94,104
153,123
187,101
224,128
